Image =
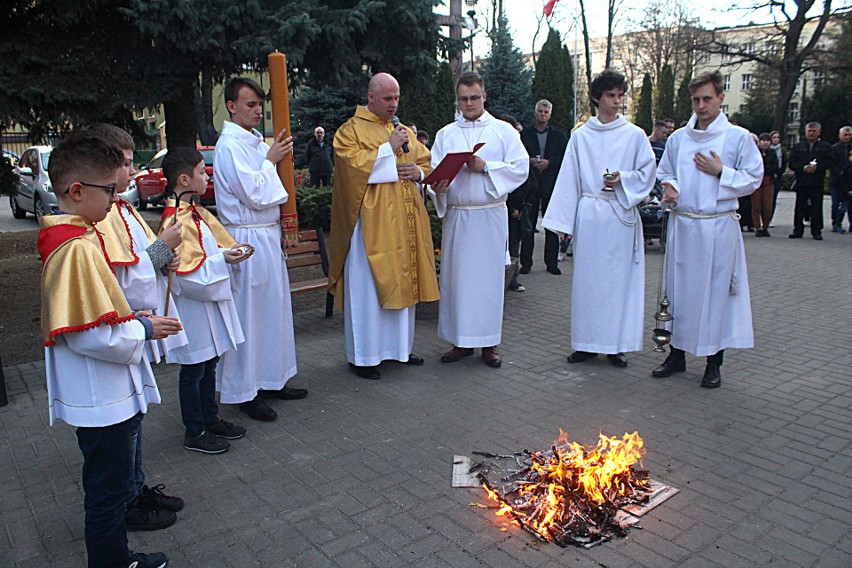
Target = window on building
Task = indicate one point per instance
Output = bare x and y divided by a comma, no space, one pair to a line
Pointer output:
726,83
793,112
819,77
724,109
792,139
749,47
724,57
773,47
746,82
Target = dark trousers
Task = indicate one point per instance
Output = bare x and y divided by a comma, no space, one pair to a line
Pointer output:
107,469
839,204
197,390
137,477
551,244
808,204
320,180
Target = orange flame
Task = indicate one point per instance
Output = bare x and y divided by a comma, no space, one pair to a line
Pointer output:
591,475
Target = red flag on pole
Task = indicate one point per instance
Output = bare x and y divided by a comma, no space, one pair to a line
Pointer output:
548,8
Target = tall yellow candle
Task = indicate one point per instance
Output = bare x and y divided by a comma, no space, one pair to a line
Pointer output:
278,95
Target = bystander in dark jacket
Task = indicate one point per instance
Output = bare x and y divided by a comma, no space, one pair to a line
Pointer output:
810,159
319,154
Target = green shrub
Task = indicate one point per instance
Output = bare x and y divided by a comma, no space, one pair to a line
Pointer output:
313,205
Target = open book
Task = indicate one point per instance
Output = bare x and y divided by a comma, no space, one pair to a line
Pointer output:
450,166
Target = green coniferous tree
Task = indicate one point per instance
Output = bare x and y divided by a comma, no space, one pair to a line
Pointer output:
554,81
430,111
664,97
643,119
683,104
507,77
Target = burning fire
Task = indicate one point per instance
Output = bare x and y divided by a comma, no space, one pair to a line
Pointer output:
571,493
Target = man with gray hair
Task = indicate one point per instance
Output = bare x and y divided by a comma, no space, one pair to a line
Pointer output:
546,145
809,159
839,164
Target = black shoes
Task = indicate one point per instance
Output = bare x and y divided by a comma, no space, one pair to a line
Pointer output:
554,270
712,376
674,363
817,236
286,393
525,270
206,443
227,430
795,235
618,359
142,515
414,360
153,560
369,373
256,409
160,500
580,356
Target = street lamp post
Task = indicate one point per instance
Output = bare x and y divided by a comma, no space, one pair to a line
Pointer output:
471,24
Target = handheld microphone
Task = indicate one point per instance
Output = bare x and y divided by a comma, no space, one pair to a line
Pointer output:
395,122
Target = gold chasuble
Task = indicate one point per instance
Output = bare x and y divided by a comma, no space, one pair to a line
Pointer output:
78,288
192,253
394,221
118,240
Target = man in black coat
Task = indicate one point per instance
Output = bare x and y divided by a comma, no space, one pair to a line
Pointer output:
839,164
546,146
319,154
809,160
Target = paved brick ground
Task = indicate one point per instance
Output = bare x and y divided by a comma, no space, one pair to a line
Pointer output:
359,473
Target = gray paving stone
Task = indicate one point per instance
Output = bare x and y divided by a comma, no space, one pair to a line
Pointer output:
358,473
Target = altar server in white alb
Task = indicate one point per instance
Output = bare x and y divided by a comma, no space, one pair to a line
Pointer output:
608,170
706,166
475,223
248,195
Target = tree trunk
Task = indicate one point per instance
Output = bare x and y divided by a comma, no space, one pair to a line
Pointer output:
588,57
204,112
180,115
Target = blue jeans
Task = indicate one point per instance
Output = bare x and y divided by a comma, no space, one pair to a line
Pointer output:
107,469
137,476
839,204
197,389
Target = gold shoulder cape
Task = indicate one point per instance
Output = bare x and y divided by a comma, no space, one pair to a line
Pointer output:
116,232
78,288
192,254
394,221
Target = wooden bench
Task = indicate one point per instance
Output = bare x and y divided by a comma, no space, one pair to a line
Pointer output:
311,251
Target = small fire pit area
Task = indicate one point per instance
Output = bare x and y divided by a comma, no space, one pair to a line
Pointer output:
569,494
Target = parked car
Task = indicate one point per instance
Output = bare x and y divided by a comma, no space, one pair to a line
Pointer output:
35,192
11,157
152,183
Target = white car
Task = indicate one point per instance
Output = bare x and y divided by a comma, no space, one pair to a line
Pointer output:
35,192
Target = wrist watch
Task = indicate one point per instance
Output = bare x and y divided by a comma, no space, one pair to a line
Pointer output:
485,170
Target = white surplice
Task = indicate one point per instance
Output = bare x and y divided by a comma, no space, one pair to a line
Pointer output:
608,289
145,288
706,279
475,229
373,334
206,303
100,376
248,193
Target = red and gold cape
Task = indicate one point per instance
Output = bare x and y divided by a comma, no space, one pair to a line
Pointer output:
117,237
192,253
78,288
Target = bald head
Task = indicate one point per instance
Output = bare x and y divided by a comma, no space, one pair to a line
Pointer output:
383,95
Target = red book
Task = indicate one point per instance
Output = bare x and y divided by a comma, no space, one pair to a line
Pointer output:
450,166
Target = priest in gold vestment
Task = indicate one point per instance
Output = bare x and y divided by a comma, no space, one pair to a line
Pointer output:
382,260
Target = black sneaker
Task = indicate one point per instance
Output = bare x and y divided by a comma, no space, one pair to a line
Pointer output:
227,430
142,515
153,560
206,443
160,500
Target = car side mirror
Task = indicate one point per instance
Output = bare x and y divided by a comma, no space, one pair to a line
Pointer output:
26,172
